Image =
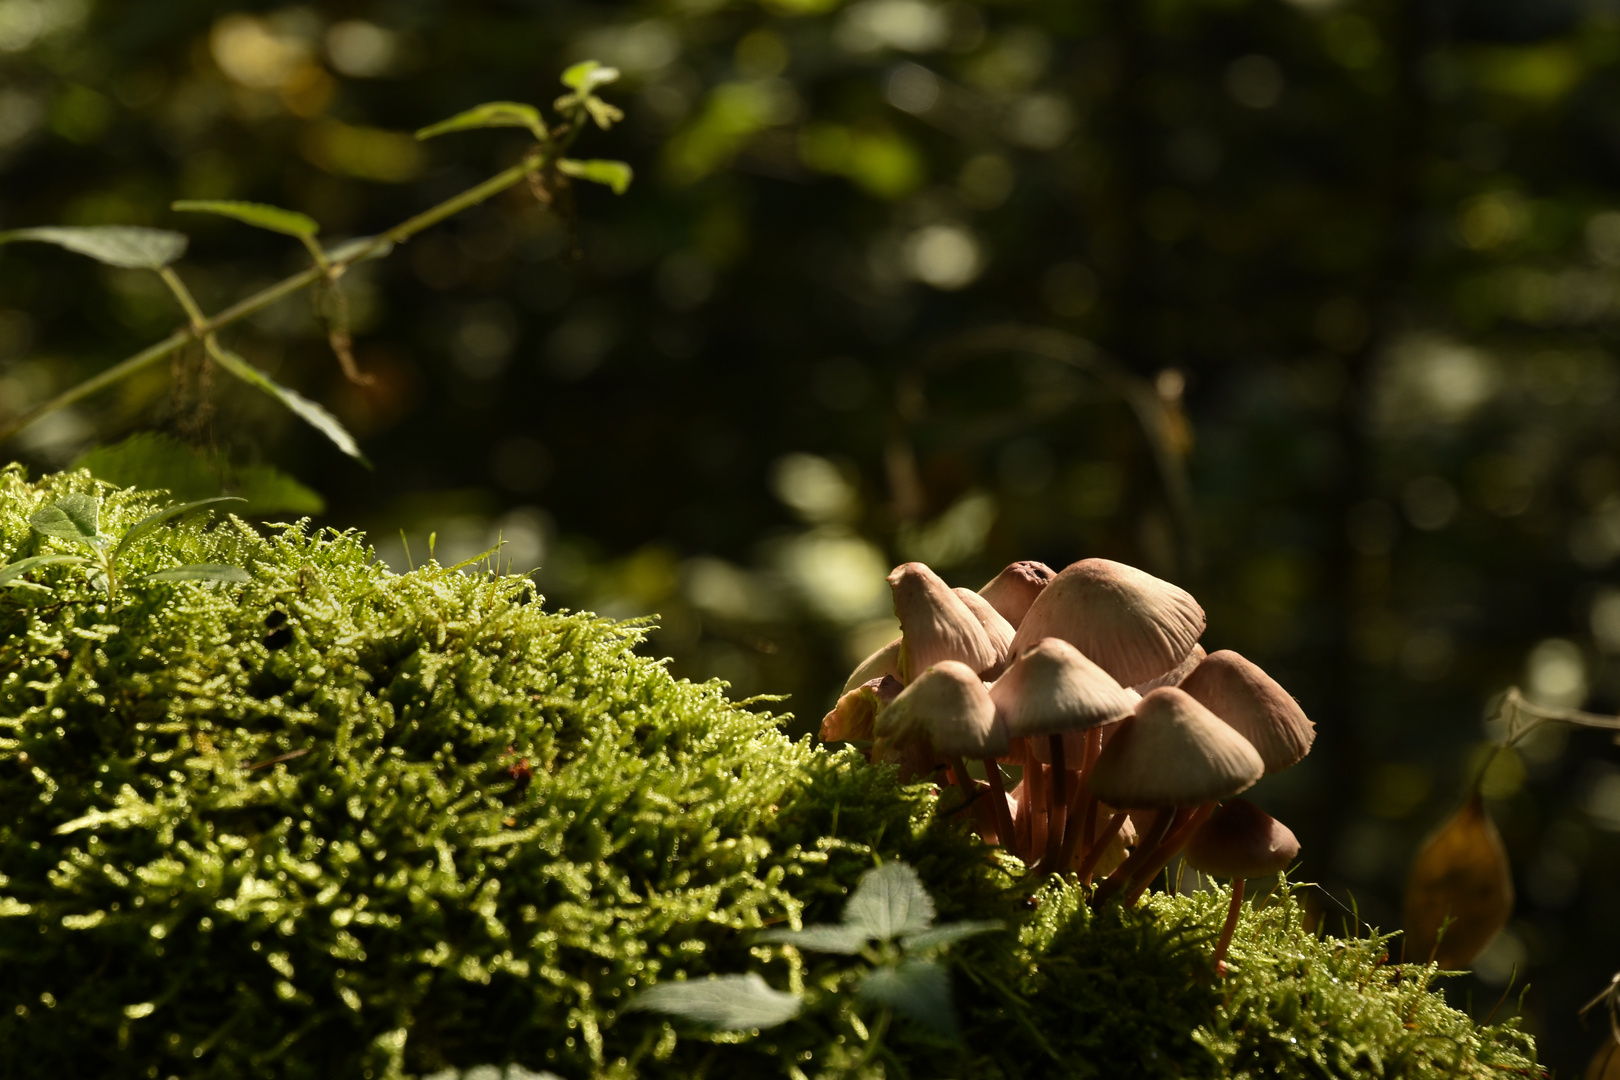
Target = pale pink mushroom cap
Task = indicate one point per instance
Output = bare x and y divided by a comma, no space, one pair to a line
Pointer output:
1012,591
1052,688
935,625
948,707
1173,752
1241,841
1131,624
1254,705
1176,676
886,661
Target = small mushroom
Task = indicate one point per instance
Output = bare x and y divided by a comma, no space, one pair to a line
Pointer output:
1012,591
1239,841
1174,756
935,625
852,717
1050,695
1254,705
1133,625
948,707
997,629
886,661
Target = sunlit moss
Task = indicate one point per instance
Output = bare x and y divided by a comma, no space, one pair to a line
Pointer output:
342,822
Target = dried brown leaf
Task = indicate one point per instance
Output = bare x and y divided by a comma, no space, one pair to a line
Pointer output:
1461,875
1605,1063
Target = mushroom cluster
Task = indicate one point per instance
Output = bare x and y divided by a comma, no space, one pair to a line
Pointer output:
1120,734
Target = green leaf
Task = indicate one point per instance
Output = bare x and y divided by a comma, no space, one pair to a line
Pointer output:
129,246
587,75
491,114
948,934
614,174
12,571
847,940
151,460
306,410
201,572
152,521
889,902
72,517
346,251
269,489
729,1002
919,989
274,218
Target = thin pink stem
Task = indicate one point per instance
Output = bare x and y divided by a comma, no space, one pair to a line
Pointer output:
1006,833
1095,853
1126,871
1231,925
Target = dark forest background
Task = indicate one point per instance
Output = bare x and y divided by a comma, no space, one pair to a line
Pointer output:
1309,306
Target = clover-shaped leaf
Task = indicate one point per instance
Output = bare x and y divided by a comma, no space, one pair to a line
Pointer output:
129,246
728,1002
919,989
72,517
889,902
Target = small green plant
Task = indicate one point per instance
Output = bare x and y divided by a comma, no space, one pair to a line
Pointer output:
76,518
888,922
544,167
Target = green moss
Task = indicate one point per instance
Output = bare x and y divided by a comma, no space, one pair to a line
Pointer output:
233,848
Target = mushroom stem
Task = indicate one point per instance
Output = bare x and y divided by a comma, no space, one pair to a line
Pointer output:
1057,814
1088,828
1185,827
1006,834
1231,925
1126,871
1094,853
1077,827
1035,807
971,795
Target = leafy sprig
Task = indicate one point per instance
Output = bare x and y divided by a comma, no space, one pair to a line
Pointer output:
77,519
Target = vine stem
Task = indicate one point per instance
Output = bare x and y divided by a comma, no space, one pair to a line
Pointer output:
203,327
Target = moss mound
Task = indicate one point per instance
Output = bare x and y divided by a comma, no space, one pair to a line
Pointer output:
341,822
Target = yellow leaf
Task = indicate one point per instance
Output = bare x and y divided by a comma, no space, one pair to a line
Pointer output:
1461,874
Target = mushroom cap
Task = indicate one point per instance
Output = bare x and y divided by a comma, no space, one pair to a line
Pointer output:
1133,625
948,707
1241,841
1248,699
1173,752
1176,675
856,711
998,630
1053,688
886,661
935,625
1015,588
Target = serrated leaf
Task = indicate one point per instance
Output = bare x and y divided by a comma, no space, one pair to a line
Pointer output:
72,517
920,989
846,940
348,249
1460,891
130,246
889,902
948,934
233,575
587,75
305,409
259,215
152,521
12,571
491,114
729,1002
614,174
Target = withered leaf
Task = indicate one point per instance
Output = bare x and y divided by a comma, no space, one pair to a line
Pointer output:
1605,1063
1461,874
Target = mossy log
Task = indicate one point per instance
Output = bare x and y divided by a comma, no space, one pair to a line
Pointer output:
341,822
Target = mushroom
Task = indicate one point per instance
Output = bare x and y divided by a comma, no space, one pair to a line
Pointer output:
948,707
1133,625
935,625
852,717
996,628
1254,705
1173,756
1053,691
1176,675
1015,588
886,661
1239,841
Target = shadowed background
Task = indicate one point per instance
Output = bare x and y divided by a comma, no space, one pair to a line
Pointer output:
1307,306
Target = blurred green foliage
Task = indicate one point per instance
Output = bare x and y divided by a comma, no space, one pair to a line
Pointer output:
1365,255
